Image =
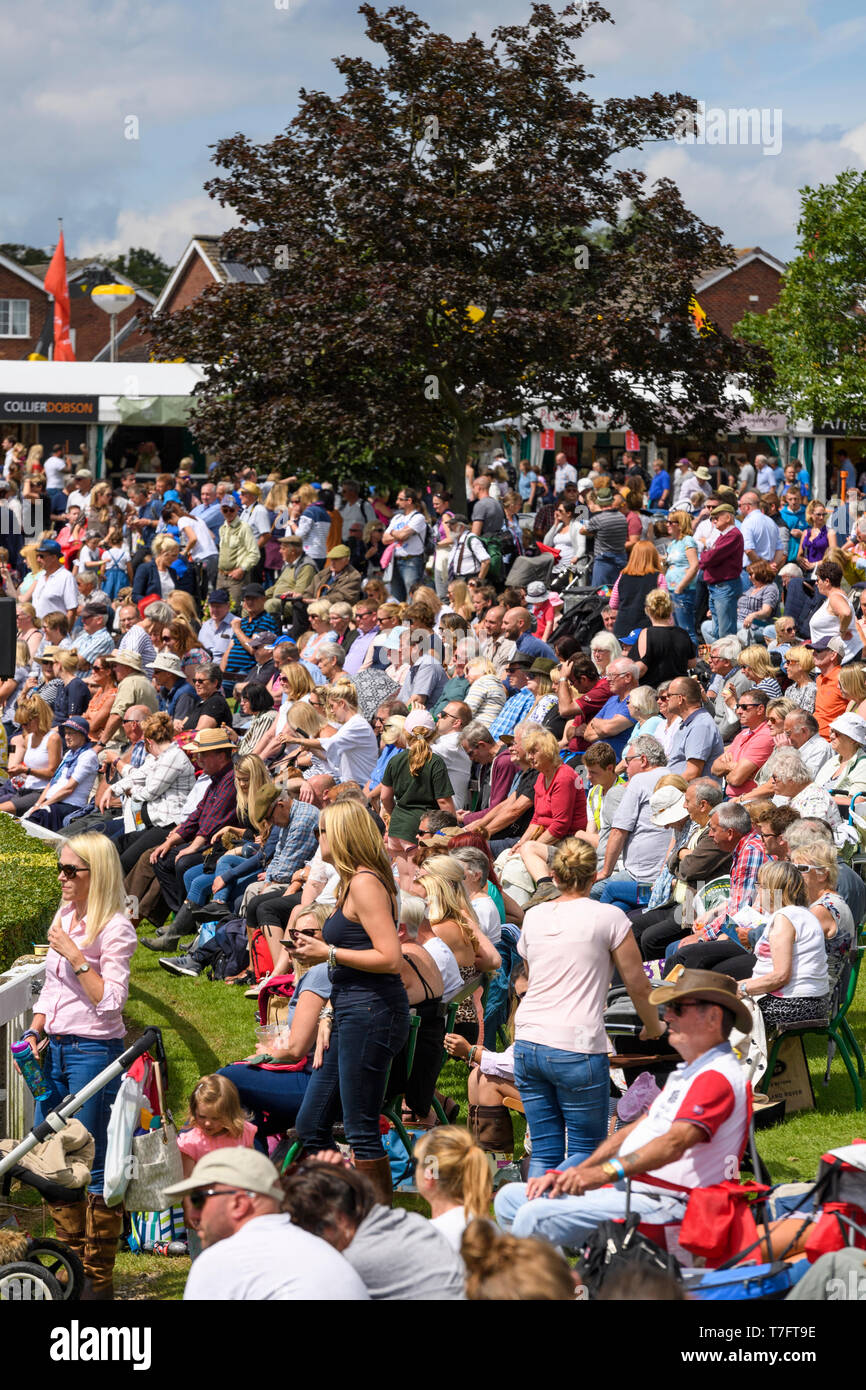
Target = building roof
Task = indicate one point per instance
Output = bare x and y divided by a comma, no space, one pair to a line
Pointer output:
77,268
27,273
743,257
224,272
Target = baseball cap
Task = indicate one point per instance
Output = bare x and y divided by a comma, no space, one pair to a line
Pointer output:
252,591
48,548
244,1168
220,596
584,485
824,644
419,719
521,659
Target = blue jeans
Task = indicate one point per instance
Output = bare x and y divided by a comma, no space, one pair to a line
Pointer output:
722,621
68,1064
606,569
408,572
684,612
273,1098
622,890
565,1221
496,1009
368,1032
198,881
563,1093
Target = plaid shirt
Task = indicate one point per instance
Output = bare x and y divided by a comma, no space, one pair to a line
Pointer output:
749,856
161,783
512,712
297,843
217,808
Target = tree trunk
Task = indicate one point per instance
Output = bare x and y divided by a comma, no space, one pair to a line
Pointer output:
462,439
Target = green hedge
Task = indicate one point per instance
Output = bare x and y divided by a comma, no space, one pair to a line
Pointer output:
29,890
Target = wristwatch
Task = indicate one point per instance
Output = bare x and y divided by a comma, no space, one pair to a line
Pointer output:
82,969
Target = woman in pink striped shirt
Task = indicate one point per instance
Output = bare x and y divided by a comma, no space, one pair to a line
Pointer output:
80,1013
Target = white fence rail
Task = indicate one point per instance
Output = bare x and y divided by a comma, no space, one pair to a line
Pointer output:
19,988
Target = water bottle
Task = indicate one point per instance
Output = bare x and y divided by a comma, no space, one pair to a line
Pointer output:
30,1068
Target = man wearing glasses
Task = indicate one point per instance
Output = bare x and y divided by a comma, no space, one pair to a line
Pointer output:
751,748
252,1250
687,1139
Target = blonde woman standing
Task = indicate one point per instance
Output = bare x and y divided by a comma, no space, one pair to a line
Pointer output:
415,781
454,922
371,1010
80,1011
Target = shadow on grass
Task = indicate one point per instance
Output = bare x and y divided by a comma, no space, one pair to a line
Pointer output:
160,1012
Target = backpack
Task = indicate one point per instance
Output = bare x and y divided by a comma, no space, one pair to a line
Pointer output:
274,999
616,1245
260,954
226,953
583,620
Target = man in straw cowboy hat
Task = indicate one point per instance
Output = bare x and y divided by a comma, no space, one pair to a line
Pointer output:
693,1134
185,846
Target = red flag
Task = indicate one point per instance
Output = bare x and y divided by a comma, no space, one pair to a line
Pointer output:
56,284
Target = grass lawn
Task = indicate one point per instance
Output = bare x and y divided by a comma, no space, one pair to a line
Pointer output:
207,1025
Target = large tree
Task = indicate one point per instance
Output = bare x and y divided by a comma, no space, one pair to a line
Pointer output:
815,335
429,265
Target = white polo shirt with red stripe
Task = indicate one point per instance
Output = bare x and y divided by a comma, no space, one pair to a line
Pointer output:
712,1093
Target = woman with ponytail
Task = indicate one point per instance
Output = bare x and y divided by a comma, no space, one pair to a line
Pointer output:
502,1268
415,782
453,1175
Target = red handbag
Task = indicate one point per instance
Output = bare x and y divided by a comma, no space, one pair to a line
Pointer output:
719,1222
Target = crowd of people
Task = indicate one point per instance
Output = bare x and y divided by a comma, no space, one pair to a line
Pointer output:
288,723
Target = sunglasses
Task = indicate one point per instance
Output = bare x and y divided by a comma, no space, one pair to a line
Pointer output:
677,1009
70,870
198,1199
748,706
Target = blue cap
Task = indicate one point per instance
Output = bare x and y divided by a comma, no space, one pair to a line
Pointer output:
48,548
172,495
632,637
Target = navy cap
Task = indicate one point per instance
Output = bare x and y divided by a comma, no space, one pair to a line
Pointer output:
77,721
220,596
48,548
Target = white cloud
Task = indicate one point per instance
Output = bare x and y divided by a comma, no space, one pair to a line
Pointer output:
165,231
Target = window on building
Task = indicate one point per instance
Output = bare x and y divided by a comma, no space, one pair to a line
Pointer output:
14,318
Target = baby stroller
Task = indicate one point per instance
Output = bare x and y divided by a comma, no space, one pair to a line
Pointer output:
37,1268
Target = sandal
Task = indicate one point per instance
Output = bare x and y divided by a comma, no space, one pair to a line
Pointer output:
247,978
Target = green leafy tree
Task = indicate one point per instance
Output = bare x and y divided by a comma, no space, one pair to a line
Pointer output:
815,335
24,255
143,267
429,271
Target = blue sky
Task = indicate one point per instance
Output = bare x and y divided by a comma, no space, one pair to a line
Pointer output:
191,71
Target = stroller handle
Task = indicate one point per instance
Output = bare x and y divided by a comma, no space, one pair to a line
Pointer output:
55,1120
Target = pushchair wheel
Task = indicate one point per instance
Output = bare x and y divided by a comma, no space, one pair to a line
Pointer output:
28,1283
60,1262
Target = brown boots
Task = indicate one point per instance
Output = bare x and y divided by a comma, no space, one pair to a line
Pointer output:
102,1232
491,1128
378,1170
69,1223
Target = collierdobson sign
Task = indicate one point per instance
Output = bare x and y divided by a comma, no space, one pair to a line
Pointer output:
48,408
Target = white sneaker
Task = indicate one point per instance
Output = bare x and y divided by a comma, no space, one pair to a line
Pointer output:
254,990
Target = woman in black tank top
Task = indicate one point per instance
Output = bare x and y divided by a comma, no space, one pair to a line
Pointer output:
371,1010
